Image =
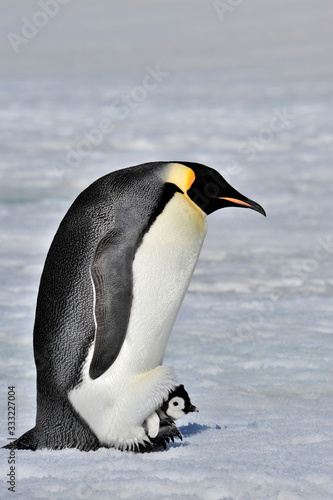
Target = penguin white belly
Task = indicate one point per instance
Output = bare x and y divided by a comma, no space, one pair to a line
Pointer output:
115,404
162,269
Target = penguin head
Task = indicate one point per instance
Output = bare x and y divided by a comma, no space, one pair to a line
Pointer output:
178,403
207,189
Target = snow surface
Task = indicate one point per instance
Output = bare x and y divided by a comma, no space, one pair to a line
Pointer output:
253,340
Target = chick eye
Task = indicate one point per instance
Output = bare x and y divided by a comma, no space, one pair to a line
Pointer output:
175,403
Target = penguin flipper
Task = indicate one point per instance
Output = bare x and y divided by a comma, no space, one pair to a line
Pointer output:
153,425
111,274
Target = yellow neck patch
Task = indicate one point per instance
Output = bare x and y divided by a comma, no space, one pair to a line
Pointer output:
183,177
180,175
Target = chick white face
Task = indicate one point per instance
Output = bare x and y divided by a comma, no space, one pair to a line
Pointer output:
176,407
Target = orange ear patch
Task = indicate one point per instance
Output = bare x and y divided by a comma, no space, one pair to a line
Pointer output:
180,175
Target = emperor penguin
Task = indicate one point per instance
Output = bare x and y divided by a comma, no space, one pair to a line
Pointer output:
112,284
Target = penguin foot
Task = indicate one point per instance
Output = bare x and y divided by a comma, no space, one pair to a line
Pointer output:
168,432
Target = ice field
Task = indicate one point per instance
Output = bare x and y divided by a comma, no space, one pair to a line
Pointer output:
247,91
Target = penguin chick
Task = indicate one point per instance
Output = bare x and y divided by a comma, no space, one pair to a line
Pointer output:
178,404
160,424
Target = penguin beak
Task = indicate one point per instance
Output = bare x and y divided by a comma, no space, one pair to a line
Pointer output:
192,408
242,201
232,198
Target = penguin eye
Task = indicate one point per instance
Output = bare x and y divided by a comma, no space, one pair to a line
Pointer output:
177,401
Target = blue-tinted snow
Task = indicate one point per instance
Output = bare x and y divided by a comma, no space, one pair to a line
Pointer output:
249,93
